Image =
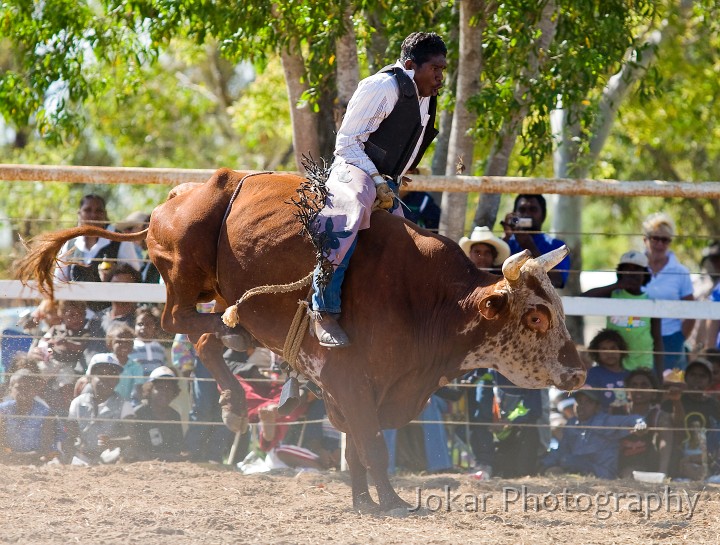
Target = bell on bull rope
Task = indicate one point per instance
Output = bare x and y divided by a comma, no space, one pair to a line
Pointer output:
289,397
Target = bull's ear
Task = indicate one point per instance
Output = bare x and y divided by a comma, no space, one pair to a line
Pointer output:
492,305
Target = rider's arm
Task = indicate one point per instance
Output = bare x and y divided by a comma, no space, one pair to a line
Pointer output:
371,103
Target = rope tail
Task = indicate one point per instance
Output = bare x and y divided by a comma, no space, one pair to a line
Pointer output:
230,316
299,324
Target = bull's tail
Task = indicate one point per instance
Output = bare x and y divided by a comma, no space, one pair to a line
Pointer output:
42,257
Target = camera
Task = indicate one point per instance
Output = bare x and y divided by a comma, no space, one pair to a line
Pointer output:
522,223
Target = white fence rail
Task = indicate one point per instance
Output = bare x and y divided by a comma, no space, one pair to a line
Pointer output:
574,306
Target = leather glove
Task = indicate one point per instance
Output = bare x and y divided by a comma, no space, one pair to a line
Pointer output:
385,197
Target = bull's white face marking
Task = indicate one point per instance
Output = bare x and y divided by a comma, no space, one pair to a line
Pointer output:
471,325
526,354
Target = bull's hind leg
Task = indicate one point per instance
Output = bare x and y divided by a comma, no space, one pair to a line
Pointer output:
234,407
370,450
358,478
376,456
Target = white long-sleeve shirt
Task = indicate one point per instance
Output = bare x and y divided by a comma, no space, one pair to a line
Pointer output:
372,101
126,254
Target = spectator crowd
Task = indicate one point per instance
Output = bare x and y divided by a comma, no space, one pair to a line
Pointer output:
101,383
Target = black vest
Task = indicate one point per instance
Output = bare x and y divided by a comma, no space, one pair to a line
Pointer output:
82,273
392,144
89,273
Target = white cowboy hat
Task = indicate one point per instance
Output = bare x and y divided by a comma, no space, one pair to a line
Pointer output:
484,235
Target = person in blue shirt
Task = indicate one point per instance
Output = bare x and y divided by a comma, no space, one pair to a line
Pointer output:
608,350
523,231
26,427
590,442
119,340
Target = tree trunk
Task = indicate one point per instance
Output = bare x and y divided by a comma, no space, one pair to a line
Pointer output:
377,49
499,159
304,120
568,163
347,68
461,144
439,158
440,155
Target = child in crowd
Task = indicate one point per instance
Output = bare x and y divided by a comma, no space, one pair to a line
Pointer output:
119,340
40,319
45,315
651,451
589,445
162,440
146,349
696,413
695,460
517,446
120,311
18,361
608,350
26,430
561,411
642,335
69,344
62,346
96,431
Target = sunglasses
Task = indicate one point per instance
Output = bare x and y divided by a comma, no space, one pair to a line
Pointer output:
664,240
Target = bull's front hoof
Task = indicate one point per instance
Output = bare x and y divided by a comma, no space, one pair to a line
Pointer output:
239,343
234,422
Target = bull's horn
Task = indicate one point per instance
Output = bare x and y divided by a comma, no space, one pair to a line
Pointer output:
550,259
511,267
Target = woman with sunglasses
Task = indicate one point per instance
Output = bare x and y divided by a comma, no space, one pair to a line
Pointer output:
669,280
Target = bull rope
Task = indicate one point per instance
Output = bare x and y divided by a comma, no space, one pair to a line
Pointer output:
299,324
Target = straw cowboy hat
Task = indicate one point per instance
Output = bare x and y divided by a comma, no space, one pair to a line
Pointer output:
485,236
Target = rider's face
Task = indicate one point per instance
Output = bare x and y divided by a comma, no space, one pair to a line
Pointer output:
429,75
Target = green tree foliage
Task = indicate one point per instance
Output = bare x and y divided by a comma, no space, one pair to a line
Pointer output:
147,82
590,43
668,130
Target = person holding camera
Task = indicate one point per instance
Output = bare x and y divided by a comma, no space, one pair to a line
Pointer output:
523,231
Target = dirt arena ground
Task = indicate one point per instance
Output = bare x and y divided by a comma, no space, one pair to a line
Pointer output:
154,503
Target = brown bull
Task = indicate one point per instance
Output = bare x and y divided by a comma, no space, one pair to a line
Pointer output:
418,312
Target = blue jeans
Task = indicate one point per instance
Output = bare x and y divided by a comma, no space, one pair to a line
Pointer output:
674,346
328,299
